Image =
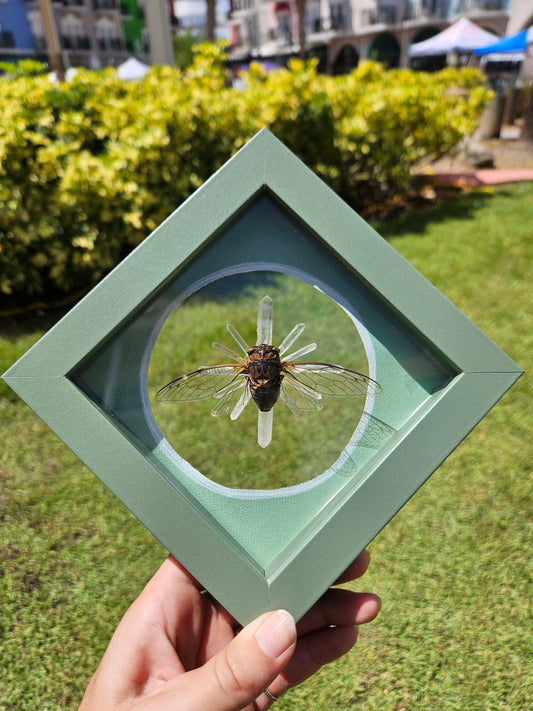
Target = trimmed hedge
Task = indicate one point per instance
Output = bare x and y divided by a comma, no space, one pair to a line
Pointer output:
89,168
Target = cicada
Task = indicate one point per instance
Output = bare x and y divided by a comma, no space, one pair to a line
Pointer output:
265,374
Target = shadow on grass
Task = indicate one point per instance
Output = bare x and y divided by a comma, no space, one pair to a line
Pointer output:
415,221
13,327
17,335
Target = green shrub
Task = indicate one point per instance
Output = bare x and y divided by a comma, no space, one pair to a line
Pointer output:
390,120
89,168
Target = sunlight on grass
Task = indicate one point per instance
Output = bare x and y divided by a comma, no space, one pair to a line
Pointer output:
453,567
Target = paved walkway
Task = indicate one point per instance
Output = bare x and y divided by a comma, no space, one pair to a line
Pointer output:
486,176
513,162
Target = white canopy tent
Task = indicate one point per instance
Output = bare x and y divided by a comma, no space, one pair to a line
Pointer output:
132,69
462,37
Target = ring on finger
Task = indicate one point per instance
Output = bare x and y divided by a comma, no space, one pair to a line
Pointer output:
270,696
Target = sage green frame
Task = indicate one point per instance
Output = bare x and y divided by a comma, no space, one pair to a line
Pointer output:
298,577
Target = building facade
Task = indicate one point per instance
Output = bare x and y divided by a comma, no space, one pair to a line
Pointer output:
16,41
91,33
520,17
340,33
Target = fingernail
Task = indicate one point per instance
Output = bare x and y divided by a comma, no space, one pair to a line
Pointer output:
276,634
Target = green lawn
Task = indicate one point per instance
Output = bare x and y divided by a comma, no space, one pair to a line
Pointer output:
453,568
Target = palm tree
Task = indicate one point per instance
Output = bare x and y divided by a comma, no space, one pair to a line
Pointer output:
527,130
210,24
526,75
300,15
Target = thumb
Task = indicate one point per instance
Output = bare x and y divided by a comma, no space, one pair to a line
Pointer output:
240,672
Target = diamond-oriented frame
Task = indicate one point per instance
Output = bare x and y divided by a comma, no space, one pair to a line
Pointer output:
50,378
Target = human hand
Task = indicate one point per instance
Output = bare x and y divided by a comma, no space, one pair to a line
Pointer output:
177,648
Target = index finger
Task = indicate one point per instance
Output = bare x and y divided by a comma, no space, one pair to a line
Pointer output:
356,569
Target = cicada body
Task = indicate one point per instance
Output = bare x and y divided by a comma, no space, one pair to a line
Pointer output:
264,375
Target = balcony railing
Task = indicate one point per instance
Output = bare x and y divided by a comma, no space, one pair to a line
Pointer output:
468,5
99,5
240,5
338,23
380,16
394,15
112,44
81,43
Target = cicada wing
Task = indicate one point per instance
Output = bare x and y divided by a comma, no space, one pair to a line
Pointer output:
230,398
298,397
332,380
202,384
376,432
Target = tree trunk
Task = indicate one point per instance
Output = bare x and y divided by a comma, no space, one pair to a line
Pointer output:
300,15
53,46
210,20
527,130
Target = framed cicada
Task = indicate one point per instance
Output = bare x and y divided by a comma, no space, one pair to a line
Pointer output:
265,374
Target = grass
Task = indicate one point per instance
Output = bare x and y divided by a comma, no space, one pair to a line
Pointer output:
453,567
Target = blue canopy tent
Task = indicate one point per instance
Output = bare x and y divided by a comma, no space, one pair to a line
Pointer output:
515,44
505,63
511,55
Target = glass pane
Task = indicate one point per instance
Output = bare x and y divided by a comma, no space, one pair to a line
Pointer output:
225,450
